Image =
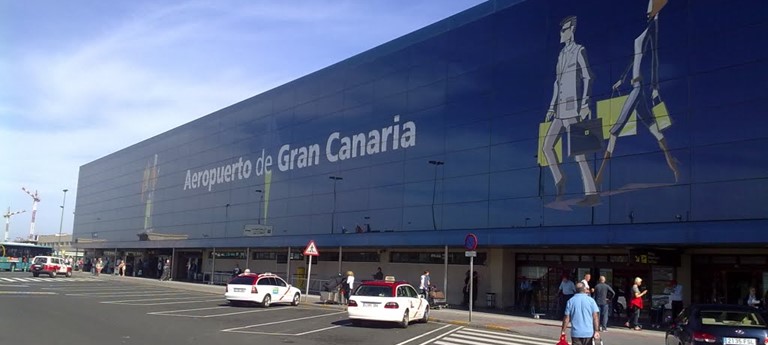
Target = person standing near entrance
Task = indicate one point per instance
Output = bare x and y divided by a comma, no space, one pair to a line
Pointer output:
565,291
753,299
675,291
582,313
603,297
585,281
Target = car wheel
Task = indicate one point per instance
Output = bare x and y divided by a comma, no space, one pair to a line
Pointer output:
35,274
267,300
425,318
52,274
296,299
69,274
404,321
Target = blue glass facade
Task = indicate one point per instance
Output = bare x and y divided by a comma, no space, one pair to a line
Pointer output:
437,133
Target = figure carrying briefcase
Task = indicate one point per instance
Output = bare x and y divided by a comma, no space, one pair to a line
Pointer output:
585,136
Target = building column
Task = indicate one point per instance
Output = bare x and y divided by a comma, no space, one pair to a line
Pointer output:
684,277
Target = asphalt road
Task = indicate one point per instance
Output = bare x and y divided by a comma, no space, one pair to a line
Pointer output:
85,310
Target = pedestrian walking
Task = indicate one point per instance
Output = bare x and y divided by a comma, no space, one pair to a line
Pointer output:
585,281
99,266
636,305
166,270
582,313
349,284
424,284
603,297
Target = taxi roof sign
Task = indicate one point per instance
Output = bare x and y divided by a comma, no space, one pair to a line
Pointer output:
311,249
389,278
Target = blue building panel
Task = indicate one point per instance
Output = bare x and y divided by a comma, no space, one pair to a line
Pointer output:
528,123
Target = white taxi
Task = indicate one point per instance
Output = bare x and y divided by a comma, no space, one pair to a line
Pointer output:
264,289
387,300
50,265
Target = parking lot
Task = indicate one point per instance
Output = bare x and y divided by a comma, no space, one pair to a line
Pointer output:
129,311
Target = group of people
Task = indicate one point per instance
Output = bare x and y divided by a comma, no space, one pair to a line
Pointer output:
586,309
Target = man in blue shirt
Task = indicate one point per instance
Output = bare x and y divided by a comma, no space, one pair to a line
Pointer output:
582,313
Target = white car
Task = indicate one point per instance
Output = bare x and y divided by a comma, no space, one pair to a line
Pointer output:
50,265
264,289
387,300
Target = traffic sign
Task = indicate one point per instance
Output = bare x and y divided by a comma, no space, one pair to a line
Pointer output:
470,242
470,254
311,249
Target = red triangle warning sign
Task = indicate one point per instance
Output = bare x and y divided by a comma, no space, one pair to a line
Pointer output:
311,249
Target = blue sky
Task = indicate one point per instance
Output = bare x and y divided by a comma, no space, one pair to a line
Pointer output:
83,79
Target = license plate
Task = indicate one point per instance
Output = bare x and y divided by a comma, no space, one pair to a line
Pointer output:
239,289
739,341
370,305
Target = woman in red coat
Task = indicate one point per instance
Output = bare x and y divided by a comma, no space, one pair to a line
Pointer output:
635,305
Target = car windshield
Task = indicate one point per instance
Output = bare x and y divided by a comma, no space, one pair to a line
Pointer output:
740,318
374,291
40,260
242,280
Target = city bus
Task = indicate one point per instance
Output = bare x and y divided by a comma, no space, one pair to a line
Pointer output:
16,256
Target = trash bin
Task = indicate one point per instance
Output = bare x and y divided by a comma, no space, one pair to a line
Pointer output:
490,300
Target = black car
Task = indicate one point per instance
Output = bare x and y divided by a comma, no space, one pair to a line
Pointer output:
718,324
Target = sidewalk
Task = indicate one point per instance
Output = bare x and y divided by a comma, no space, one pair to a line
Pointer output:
485,319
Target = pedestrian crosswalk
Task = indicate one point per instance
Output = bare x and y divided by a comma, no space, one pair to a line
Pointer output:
471,336
45,280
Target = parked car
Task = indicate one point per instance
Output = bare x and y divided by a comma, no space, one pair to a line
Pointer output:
50,265
264,289
718,324
387,300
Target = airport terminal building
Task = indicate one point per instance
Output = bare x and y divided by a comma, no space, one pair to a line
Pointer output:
619,138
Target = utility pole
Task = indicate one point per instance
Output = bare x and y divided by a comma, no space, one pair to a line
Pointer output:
333,213
7,217
61,222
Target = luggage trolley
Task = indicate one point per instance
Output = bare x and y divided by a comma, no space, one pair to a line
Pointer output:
437,298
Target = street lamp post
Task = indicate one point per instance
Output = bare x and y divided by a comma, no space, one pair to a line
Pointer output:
333,213
61,222
261,198
434,191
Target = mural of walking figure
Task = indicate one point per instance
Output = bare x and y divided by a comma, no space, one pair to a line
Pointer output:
646,44
569,105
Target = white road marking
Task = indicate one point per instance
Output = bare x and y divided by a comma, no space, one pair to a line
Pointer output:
127,294
283,321
18,286
471,336
426,334
183,310
225,314
27,293
317,330
155,299
164,303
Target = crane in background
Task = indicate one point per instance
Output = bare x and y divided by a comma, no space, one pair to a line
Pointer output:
35,200
7,217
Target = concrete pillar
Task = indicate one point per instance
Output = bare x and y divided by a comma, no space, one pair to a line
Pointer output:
685,278
498,277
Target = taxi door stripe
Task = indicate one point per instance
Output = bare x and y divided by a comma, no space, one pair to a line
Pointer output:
286,292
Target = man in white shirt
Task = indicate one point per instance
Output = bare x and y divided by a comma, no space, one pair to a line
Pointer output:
585,282
675,291
424,284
